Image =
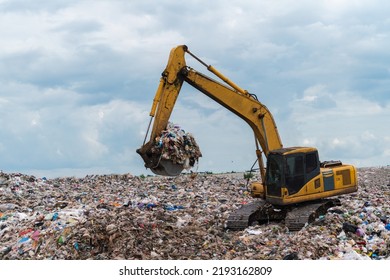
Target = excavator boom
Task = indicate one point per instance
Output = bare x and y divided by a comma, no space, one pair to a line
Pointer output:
226,93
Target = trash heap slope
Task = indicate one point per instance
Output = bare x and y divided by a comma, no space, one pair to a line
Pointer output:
132,217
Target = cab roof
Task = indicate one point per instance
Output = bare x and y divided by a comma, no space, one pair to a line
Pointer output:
293,150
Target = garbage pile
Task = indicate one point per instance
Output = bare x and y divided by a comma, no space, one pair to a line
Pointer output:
176,145
171,218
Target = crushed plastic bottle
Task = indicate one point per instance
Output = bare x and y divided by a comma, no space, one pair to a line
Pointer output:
173,207
24,239
55,217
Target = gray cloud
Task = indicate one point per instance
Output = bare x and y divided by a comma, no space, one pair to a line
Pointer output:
78,79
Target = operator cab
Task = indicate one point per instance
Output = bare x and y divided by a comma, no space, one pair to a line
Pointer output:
290,168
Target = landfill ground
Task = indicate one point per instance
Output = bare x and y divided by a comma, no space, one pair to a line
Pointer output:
136,217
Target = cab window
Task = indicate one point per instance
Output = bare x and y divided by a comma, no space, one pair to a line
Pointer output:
311,162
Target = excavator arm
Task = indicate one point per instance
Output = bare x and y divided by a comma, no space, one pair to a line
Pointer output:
228,94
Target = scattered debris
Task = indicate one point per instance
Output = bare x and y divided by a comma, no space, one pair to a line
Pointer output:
131,217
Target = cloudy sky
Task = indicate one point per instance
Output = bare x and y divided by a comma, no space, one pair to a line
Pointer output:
78,78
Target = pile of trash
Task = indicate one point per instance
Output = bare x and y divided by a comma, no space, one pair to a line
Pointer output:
176,145
172,218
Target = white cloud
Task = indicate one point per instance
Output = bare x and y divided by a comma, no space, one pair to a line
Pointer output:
56,129
352,129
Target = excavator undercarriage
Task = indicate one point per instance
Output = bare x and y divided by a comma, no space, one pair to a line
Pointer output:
295,217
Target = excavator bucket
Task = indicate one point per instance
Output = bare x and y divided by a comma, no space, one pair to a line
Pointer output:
167,168
158,165
170,152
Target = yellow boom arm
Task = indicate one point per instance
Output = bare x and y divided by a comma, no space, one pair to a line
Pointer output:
228,94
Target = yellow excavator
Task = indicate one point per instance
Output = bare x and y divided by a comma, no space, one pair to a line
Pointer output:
295,186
